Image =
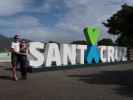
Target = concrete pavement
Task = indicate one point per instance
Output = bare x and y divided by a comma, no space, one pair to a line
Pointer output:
113,82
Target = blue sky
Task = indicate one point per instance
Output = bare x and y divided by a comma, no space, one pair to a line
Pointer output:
57,20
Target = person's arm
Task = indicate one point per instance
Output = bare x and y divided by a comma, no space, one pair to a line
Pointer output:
12,47
22,53
27,52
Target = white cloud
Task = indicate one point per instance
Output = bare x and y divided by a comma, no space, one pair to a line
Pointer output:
27,26
79,14
84,13
10,7
46,6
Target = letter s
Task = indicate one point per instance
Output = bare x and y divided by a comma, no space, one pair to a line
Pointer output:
36,58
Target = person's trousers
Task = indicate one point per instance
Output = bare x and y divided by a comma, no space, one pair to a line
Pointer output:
23,66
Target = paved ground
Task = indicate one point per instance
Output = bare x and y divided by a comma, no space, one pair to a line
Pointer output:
113,82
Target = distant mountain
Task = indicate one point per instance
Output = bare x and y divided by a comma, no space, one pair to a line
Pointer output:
5,42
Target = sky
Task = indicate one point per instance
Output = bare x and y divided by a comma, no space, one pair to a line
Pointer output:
56,20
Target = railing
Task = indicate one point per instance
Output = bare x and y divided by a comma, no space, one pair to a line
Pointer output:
5,57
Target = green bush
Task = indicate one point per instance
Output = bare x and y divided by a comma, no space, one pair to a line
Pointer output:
2,50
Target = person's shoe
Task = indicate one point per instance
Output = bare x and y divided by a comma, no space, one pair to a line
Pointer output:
15,78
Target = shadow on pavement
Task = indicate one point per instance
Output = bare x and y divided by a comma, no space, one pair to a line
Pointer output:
124,80
5,78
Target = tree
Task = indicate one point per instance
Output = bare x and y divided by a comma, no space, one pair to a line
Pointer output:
121,24
81,42
107,42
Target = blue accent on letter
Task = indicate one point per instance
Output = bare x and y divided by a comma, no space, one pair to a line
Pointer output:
92,54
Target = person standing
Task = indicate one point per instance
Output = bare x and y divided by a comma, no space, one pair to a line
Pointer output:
23,59
15,49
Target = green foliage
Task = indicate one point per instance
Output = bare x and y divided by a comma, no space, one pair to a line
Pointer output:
81,42
121,24
107,42
2,50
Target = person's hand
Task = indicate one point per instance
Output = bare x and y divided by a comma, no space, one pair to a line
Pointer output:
22,53
17,52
